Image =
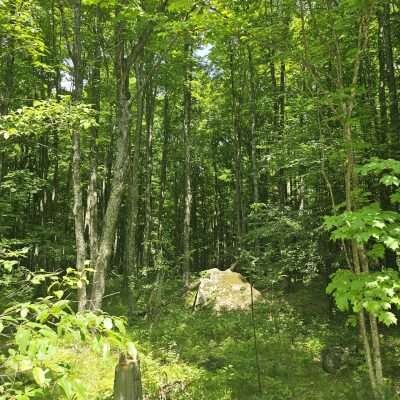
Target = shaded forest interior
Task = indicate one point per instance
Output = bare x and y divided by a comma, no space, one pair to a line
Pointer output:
143,142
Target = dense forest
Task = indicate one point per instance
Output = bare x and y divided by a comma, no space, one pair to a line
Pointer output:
211,187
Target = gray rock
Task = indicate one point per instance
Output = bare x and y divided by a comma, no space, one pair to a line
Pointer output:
224,291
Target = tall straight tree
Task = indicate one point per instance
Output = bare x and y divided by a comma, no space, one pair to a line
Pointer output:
76,56
187,110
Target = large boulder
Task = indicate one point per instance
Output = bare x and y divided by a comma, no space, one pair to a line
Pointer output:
224,291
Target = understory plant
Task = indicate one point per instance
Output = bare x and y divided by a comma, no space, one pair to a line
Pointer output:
36,335
369,287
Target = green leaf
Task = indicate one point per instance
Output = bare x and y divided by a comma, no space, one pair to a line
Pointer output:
22,339
40,376
389,180
59,293
9,264
392,243
119,323
388,318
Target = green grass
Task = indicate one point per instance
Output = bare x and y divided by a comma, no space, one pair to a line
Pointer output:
204,356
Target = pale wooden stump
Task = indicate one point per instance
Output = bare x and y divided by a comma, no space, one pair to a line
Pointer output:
128,381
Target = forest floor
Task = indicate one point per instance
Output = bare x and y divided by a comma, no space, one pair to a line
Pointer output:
203,356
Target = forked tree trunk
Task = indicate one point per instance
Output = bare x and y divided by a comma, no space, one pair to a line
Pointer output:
122,70
126,57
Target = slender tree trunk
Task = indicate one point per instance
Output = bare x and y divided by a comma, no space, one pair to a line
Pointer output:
92,197
383,128
360,261
76,160
238,152
391,78
130,262
253,111
163,173
156,293
147,240
187,106
282,89
388,137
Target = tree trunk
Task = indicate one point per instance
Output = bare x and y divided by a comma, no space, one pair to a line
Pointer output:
147,240
114,202
130,245
92,198
253,111
238,153
383,126
76,160
187,100
122,70
156,293
391,79
386,74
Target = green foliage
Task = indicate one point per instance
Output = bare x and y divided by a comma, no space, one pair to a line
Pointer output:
61,115
370,224
366,223
33,333
286,250
376,292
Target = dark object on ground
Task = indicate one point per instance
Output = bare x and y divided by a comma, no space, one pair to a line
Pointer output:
213,363
128,382
336,358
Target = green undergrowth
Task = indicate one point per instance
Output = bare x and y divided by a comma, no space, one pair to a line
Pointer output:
204,356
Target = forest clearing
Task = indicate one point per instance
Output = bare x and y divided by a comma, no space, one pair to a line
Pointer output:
199,199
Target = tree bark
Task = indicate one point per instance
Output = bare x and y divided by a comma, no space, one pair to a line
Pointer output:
253,136
187,106
391,79
122,70
147,240
92,197
130,262
238,152
360,261
76,160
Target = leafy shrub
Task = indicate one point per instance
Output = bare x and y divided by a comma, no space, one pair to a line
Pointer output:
35,333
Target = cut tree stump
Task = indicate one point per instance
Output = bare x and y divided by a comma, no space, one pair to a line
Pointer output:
128,380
